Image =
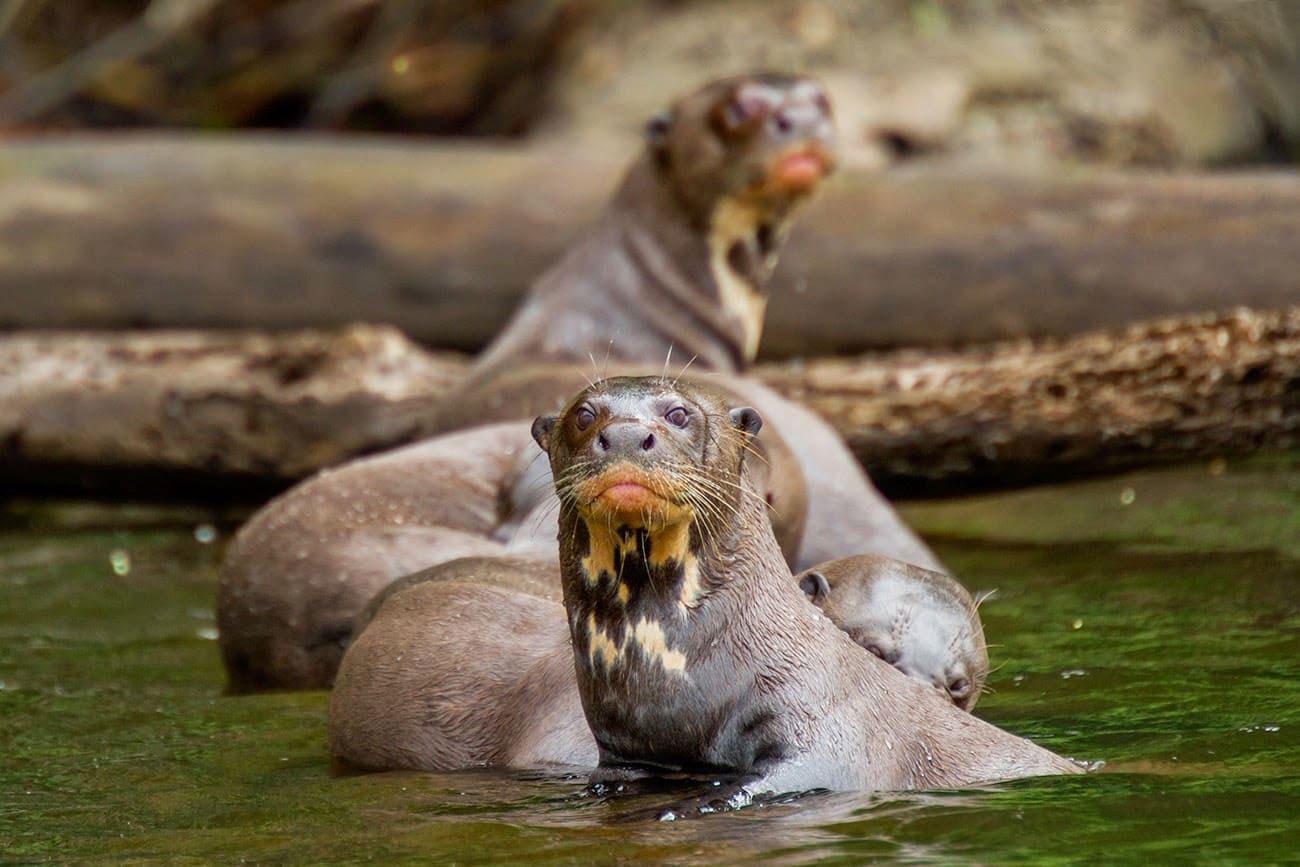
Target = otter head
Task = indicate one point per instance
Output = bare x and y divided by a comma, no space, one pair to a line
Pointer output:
738,156
647,454
765,141
921,622
648,472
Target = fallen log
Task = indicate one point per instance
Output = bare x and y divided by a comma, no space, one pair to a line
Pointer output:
188,411
1026,412
178,412
442,240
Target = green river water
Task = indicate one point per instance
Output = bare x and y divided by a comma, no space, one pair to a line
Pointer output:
1150,622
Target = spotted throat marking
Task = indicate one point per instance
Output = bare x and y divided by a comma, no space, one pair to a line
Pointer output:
734,221
608,550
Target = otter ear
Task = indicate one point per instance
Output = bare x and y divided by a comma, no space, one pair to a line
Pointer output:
815,586
542,427
656,130
747,420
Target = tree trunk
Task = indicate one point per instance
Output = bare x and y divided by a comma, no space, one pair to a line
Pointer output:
188,412
279,232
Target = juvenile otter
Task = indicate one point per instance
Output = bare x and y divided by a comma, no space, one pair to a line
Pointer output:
921,622
694,647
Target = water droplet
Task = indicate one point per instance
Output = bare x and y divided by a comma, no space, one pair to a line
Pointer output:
1127,496
1073,672
207,633
120,561
1077,624
205,534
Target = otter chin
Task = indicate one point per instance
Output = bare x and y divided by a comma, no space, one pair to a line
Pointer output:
626,496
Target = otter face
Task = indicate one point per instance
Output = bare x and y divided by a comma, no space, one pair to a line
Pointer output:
914,625
643,453
646,472
768,139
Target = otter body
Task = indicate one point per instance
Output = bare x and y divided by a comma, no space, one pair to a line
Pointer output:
693,646
923,623
452,675
301,569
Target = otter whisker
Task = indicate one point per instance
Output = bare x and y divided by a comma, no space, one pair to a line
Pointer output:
682,372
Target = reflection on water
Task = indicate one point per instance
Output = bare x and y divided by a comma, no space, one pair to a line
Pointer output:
1157,632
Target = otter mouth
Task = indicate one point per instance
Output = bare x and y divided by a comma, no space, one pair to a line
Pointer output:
799,172
630,495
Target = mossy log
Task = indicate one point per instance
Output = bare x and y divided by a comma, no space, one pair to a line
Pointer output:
279,232
199,411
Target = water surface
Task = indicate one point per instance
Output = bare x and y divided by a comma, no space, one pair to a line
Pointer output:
1150,622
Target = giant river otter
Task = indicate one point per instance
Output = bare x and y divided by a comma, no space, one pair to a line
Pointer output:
693,645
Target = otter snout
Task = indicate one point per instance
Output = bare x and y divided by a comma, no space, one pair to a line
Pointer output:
625,439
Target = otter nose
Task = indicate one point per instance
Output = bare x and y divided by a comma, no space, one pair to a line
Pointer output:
629,438
799,117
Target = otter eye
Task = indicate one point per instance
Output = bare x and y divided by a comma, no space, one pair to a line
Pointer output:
584,417
678,416
959,687
742,111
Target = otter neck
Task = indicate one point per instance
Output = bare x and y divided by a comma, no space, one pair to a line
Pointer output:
707,264
649,614
620,581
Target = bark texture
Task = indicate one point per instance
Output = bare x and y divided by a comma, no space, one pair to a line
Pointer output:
211,408
1026,412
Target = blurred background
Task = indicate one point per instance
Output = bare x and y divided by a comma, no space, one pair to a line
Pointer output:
1008,162
1149,82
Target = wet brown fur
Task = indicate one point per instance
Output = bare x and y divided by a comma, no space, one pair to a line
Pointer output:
301,569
